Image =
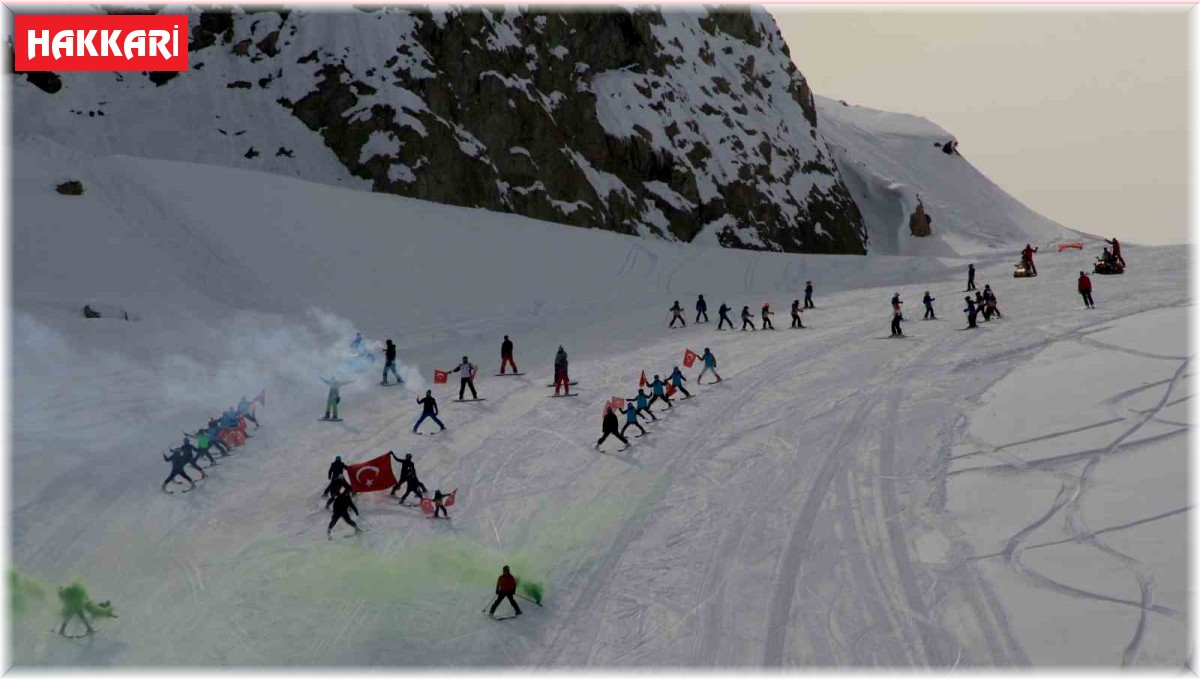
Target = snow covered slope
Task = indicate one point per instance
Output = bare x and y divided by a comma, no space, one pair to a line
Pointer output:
813,509
890,160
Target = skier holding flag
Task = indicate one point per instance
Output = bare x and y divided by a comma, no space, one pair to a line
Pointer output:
609,427
407,469
643,403
631,419
677,379
467,369
710,364
659,391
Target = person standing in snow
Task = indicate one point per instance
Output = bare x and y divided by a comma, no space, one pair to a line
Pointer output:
609,427
723,312
338,485
415,487
214,436
928,302
796,314
389,362
467,370
1116,250
896,316
188,453
408,468
342,505
659,391
562,376
178,460
506,587
195,453
982,307
701,309
334,398
970,311
677,379
1027,257
710,364
506,355
1085,290
631,419
643,404
203,443
989,298
430,410
439,504
746,319
970,277
676,315
766,317
808,303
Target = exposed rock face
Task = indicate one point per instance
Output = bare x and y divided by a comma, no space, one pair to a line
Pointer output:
919,223
687,125
70,188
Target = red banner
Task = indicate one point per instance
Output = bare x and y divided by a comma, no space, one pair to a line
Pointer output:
689,358
372,475
100,42
643,382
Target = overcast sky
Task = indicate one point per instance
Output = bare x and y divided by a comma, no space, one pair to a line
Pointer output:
1081,115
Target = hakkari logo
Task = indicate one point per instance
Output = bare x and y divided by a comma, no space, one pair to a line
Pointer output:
100,42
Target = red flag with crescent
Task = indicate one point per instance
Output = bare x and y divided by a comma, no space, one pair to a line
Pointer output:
371,475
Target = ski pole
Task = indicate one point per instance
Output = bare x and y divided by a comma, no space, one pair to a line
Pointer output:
485,605
529,600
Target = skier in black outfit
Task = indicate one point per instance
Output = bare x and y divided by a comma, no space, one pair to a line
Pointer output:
724,313
928,301
415,487
195,452
609,426
746,319
676,315
701,309
389,362
796,323
808,303
970,311
970,277
189,457
341,504
178,460
337,468
338,485
437,504
981,306
766,317
468,378
407,468
430,410
506,355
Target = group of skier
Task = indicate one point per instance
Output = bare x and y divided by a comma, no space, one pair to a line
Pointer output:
747,316
230,425
341,493
639,406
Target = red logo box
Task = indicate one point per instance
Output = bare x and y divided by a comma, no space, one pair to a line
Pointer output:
100,42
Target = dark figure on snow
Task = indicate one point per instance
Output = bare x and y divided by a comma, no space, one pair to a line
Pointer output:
342,505
178,461
631,419
766,317
710,365
677,379
467,370
971,312
562,376
408,469
188,453
389,362
658,391
195,452
796,314
439,504
506,587
676,315
746,319
723,312
808,303
896,315
609,427
337,469
430,410
338,485
643,403
1116,250
506,355
1085,290
1027,257
928,302
415,487
993,307
701,309
981,306
970,277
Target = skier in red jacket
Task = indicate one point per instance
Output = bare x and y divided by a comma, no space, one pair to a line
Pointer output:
1027,257
506,587
1116,250
1085,290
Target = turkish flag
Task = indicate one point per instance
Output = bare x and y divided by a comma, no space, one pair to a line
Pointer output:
372,475
617,403
449,499
643,382
427,505
440,377
670,390
689,358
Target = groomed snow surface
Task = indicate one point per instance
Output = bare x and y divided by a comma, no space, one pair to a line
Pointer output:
1011,496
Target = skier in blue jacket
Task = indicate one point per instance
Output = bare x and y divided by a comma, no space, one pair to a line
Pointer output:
678,379
659,391
631,419
710,364
643,403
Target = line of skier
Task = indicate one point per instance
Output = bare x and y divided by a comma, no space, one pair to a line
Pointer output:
660,390
224,432
747,316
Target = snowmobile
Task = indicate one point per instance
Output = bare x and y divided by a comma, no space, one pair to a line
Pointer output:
1108,267
1023,270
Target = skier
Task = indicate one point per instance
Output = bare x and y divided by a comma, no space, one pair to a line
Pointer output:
337,469
609,426
214,437
341,504
468,378
561,376
896,316
506,355
928,302
178,460
766,317
808,303
970,311
336,487
676,315
389,362
244,409
188,453
746,319
724,313
701,309
1116,250
357,344
678,379
1085,290
438,498
993,306
796,314
970,277
631,419
643,404
506,587
659,392
203,443
415,487
334,398
76,602
430,410
981,306
1027,257
195,453
407,468
710,363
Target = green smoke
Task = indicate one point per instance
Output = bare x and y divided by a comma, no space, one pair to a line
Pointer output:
25,595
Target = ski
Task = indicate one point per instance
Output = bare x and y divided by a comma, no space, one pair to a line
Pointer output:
503,617
467,400
562,395
569,384
391,384
421,433
506,374
329,419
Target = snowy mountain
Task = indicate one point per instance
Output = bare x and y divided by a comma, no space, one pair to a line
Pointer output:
689,125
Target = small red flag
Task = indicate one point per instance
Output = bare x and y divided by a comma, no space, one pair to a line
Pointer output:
670,390
643,382
372,475
427,505
440,377
689,358
617,403
449,501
